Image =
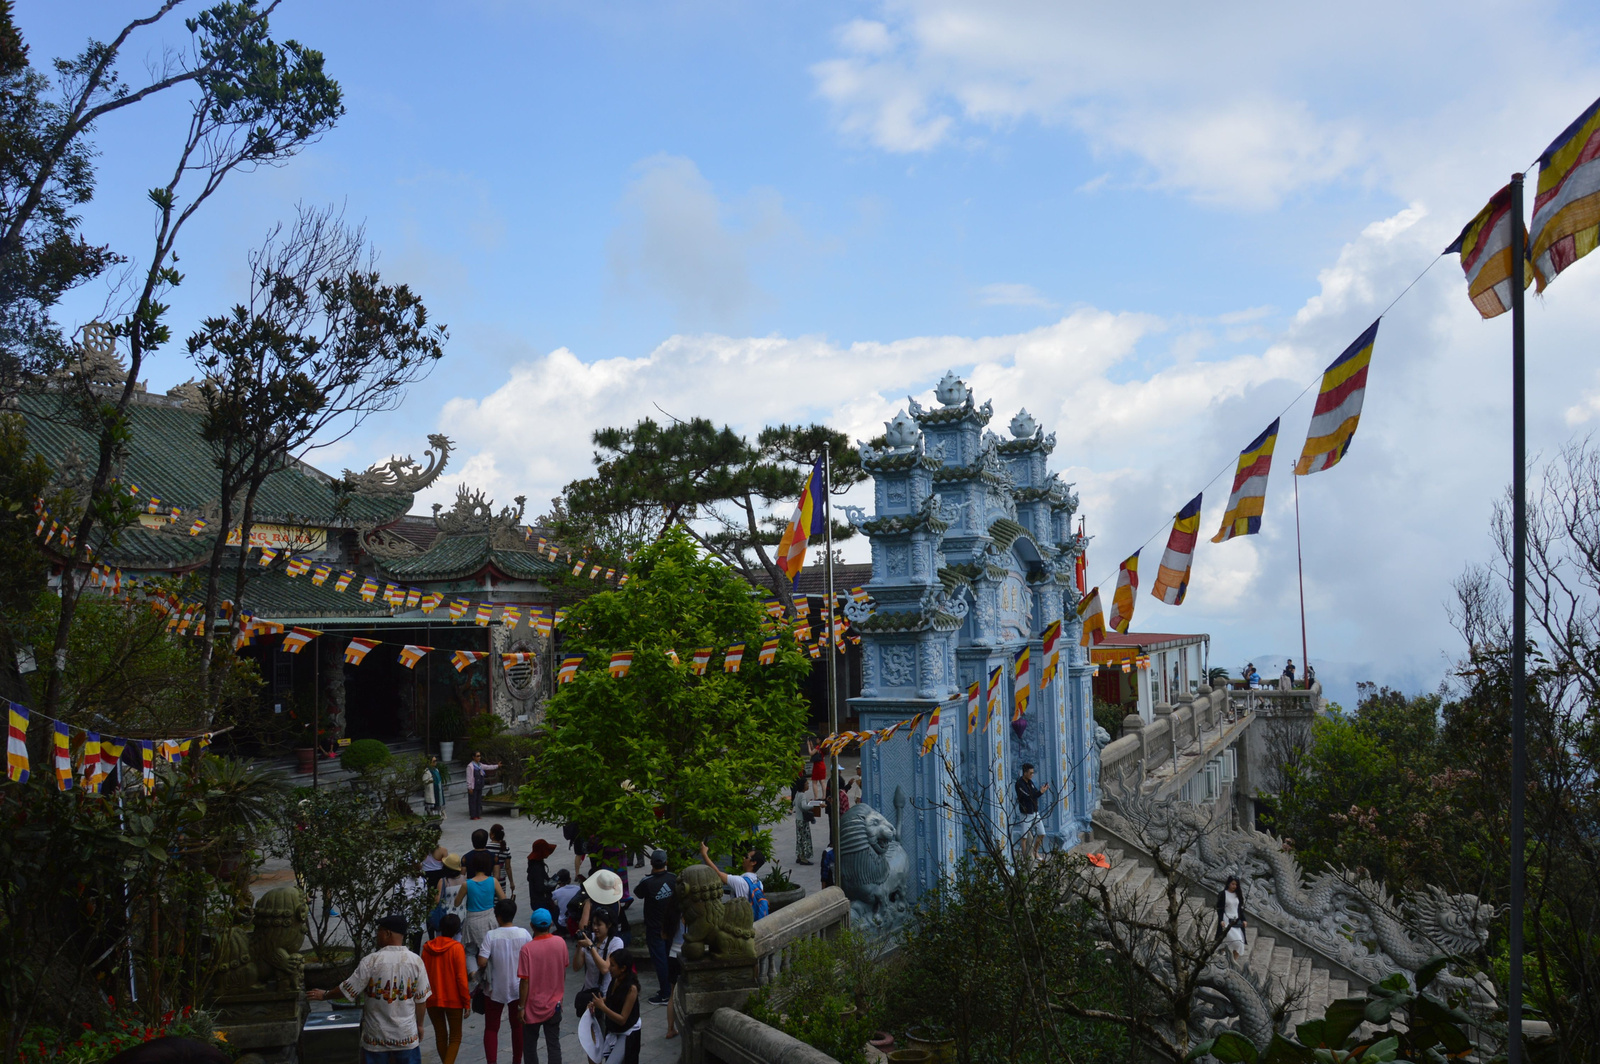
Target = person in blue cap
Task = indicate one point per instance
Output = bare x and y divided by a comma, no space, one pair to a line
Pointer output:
542,978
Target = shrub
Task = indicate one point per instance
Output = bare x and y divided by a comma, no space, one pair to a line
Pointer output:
363,755
777,880
811,999
511,753
122,1029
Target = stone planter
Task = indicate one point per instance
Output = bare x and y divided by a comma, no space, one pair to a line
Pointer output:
910,1056
939,1046
447,751
777,899
327,975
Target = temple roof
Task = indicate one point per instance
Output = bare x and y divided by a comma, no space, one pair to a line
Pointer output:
271,595
461,555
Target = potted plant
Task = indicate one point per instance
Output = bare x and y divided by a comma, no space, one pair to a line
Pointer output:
779,889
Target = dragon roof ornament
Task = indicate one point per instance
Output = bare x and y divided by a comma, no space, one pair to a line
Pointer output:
402,476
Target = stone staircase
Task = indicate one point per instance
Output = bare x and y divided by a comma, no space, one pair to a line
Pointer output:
1284,970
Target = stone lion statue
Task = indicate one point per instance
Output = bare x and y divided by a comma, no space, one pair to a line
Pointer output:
264,945
714,928
873,868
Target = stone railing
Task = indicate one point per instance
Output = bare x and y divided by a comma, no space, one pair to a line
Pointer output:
734,1038
715,986
1159,757
1271,702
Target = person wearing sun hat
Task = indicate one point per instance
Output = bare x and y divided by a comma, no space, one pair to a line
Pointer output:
539,875
602,893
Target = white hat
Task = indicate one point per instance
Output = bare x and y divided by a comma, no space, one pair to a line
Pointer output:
604,886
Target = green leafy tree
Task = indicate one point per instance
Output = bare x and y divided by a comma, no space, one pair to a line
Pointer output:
662,756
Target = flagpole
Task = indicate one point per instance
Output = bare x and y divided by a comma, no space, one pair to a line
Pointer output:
1519,629
833,653
1300,565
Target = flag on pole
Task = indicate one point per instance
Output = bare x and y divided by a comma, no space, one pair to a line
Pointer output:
63,744
458,609
1092,618
1172,579
701,659
1050,652
974,702
485,611
1566,212
1023,668
769,652
343,582
358,649
1249,496
89,761
297,639
931,736
462,658
147,763
410,654
621,662
1122,599
810,519
731,659
1080,567
369,589
1338,409
993,701
569,668
1485,249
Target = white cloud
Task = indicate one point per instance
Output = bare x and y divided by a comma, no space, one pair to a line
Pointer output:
1013,295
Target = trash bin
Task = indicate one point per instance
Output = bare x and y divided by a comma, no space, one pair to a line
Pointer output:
332,1037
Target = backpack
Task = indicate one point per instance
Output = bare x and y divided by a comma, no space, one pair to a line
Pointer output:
758,896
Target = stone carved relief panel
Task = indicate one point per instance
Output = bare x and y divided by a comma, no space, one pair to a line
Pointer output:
897,560
899,664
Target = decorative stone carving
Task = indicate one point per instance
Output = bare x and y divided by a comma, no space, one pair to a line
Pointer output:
899,664
898,560
265,948
951,390
714,929
901,434
1023,425
873,870
402,476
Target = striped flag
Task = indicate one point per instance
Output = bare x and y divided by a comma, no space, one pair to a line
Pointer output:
609,574
63,744
732,658
147,764
577,570
1022,668
298,567
485,611
89,762
358,649
594,571
1172,579
431,601
1092,618
1249,496
974,702
1338,409
458,609
621,662
1485,250
993,701
1122,599
515,658
769,652
110,754
511,616
462,658
569,668
561,615
297,639
1050,652
267,554
931,736
393,597
802,607
1566,212
320,577
672,656
369,589
701,659
197,527
802,632
553,553
541,623
810,519
413,596
343,582
153,505
411,654
622,580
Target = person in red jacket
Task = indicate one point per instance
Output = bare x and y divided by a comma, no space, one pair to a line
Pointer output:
446,963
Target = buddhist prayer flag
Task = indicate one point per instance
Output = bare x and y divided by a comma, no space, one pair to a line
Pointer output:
1022,668
511,616
594,571
577,570
1249,496
431,601
320,577
1485,250
1172,579
994,693
974,701
343,581
358,649
553,553
267,554
392,595
569,668
297,639
672,656
769,652
810,519
1122,600
458,609
621,662
485,611
462,658
701,659
153,505
623,580
1051,652
931,736
410,655
89,761
561,615
610,573
519,657
369,589
195,529
63,758
110,754
1092,618
1566,212
859,594
1338,409
731,659
541,623
298,567
413,596
148,773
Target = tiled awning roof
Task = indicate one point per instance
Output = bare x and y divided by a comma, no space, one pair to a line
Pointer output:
456,557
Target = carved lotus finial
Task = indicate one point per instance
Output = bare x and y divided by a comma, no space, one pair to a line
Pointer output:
902,433
951,390
1023,425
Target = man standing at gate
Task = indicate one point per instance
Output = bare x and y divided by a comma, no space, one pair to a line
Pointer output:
1028,794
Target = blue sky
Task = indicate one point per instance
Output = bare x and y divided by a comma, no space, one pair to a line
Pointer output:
1151,225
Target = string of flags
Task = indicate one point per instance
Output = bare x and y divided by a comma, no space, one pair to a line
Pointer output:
98,754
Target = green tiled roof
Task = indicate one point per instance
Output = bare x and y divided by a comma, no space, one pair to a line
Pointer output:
167,457
452,557
272,594
146,549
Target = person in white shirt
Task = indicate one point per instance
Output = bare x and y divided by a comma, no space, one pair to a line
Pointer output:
499,952
395,986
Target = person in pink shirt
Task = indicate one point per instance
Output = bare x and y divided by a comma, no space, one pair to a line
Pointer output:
542,971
